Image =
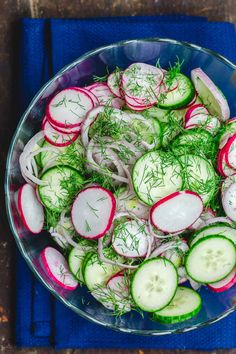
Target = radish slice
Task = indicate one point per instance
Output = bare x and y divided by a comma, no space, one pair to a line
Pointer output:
116,295
207,122
114,83
142,82
224,284
195,109
56,138
230,152
131,238
102,92
57,268
93,211
92,96
197,119
210,94
133,104
229,202
30,209
194,101
177,211
105,96
118,284
69,107
64,130
222,166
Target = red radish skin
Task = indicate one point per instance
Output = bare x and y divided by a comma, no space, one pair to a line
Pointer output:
133,104
56,267
230,152
60,129
92,96
117,284
65,122
77,217
191,126
75,130
120,273
222,166
198,74
36,209
186,193
105,96
196,119
144,68
56,138
114,83
195,109
190,104
224,284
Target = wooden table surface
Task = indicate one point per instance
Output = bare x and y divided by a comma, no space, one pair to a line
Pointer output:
10,12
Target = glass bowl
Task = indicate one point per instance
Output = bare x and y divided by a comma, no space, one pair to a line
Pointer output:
80,73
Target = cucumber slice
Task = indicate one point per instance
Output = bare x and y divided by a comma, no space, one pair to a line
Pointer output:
200,176
62,185
155,175
152,134
211,259
185,305
195,141
76,257
154,284
220,229
154,112
179,97
95,272
72,155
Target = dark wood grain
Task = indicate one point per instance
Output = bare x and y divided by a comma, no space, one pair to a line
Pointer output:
10,12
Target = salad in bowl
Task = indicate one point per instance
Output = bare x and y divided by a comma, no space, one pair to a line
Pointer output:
132,179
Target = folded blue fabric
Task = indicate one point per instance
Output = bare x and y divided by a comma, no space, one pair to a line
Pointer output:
45,47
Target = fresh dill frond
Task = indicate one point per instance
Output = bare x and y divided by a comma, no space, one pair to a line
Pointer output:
101,78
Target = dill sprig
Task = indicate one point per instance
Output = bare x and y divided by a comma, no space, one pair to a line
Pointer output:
101,78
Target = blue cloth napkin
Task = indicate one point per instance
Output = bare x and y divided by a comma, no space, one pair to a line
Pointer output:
45,47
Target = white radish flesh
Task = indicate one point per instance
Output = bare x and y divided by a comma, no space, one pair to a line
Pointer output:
224,284
57,138
230,152
93,212
177,211
130,239
57,269
195,110
229,202
30,209
69,107
114,83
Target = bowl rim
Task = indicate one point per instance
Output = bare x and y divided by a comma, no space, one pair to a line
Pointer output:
7,185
